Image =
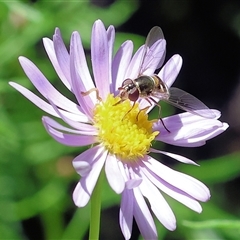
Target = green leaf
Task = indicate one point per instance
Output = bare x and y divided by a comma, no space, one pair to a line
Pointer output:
50,195
215,223
217,170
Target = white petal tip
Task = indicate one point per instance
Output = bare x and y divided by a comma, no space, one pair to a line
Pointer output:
82,168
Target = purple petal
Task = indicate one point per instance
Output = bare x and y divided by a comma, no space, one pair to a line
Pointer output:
49,47
134,66
171,69
84,129
133,183
47,107
175,156
126,213
158,204
62,54
81,79
173,192
45,88
111,38
114,175
127,172
85,186
120,64
69,139
86,159
100,58
189,185
83,168
188,130
143,216
80,62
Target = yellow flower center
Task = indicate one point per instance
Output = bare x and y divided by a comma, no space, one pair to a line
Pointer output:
124,130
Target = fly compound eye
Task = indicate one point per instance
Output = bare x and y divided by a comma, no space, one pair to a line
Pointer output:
134,96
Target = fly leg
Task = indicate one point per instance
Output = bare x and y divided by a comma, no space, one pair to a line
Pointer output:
144,109
159,113
129,111
92,90
123,98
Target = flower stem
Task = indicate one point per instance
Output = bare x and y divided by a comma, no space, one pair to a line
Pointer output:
96,209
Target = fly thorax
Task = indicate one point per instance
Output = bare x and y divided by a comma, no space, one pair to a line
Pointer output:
130,88
145,85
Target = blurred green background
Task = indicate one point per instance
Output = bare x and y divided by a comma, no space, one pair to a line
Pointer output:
36,174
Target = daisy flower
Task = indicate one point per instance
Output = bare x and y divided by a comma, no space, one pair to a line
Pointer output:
119,132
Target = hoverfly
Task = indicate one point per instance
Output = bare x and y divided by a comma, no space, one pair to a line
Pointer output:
152,88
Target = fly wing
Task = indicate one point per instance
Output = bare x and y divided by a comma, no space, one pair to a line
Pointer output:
189,103
154,52
154,34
